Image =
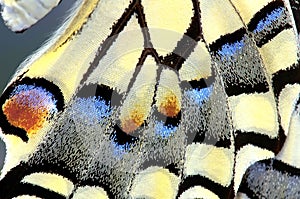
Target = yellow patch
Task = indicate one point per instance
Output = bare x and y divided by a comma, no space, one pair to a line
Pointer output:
197,65
53,182
90,192
286,105
247,9
281,52
155,183
169,25
214,19
255,112
198,192
201,159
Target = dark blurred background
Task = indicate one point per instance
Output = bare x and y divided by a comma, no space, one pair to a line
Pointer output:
14,48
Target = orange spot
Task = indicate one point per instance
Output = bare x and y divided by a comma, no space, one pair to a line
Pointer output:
170,106
21,113
135,120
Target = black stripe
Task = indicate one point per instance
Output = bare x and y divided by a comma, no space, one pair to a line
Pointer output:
264,13
160,162
236,87
13,178
33,190
16,174
201,83
120,137
281,166
272,34
264,38
200,137
198,180
283,77
174,168
256,139
268,164
11,186
244,188
174,121
298,102
242,88
103,91
281,138
295,4
227,39
111,96
186,45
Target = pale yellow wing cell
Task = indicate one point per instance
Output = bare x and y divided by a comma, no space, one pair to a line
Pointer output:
214,18
90,192
118,65
254,112
169,27
198,192
66,64
160,183
201,159
137,105
17,150
286,104
197,65
26,197
281,52
53,182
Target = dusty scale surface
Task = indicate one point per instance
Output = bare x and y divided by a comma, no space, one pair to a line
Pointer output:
155,99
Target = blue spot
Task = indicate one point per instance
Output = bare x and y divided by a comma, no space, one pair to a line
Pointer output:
229,50
199,96
119,149
103,109
35,97
163,130
24,87
271,17
91,109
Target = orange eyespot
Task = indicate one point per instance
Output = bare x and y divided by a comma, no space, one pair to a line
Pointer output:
169,106
135,120
28,107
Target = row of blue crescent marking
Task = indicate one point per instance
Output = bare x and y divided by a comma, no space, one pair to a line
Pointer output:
198,96
229,50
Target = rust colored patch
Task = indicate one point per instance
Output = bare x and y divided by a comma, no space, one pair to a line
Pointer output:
21,112
135,120
170,106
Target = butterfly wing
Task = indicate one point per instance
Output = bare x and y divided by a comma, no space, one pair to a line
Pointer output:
122,103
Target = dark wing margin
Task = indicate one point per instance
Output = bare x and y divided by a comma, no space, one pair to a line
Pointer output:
295,5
